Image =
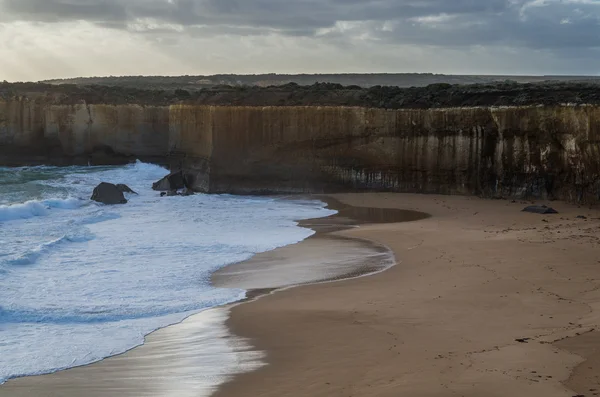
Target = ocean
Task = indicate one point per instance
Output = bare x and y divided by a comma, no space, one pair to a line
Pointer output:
80,281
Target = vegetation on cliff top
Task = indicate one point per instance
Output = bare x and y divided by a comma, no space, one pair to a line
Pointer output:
273,79
319,94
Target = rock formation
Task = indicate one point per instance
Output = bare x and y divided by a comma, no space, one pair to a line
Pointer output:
107,193
125,189
187,192
540,209
174,181
380,143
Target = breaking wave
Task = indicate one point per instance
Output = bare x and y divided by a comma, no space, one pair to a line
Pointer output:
33,208
80,281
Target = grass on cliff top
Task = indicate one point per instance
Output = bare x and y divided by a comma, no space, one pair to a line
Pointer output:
319,94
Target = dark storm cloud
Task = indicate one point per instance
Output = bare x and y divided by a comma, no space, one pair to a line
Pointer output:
282,14
521,23
543,25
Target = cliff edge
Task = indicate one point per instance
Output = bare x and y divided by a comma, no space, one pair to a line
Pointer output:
320,94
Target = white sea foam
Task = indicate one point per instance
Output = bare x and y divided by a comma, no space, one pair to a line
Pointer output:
34,208
29,257
81,281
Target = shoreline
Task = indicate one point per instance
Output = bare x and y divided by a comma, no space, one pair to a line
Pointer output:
493,308
69,381
486,301
250,274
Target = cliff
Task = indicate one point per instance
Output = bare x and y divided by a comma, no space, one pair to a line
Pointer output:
44,133
533,151
516,151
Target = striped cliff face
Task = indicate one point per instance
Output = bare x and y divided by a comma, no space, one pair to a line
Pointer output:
45,129
549,151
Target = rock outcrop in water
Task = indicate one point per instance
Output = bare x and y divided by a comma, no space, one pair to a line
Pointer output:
125,189
107,193
390,140
187,192
174,181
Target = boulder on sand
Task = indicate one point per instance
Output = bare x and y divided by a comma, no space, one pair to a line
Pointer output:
125,189
107,193
174,181
540,209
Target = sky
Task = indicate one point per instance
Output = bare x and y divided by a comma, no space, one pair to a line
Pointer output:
44,39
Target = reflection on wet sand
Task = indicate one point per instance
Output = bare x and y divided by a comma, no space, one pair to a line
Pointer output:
194,357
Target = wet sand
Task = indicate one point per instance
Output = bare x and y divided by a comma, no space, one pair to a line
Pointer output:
188,360
192,358
486,301
325,256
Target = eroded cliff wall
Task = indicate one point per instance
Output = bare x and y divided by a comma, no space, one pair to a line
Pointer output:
191,142
38,131
513,152
532,151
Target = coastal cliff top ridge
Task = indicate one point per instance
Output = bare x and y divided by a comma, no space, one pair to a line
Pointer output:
319,94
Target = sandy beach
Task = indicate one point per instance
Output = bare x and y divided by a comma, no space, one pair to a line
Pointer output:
484,300
194,357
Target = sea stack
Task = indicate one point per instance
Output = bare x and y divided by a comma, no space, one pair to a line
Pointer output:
107,193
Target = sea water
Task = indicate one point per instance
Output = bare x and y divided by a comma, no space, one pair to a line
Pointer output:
81,281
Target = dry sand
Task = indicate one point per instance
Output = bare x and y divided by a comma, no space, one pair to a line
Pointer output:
472,283
450,319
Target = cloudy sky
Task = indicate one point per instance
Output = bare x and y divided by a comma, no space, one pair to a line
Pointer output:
41,39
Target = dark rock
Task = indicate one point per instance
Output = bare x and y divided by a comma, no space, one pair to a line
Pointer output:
174,181
163,194
540,209
581,217
187,192
107,193
172,193
523,340
125,189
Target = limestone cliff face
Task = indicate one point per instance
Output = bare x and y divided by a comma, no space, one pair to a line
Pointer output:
41,132
191,142
518,152
535,151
